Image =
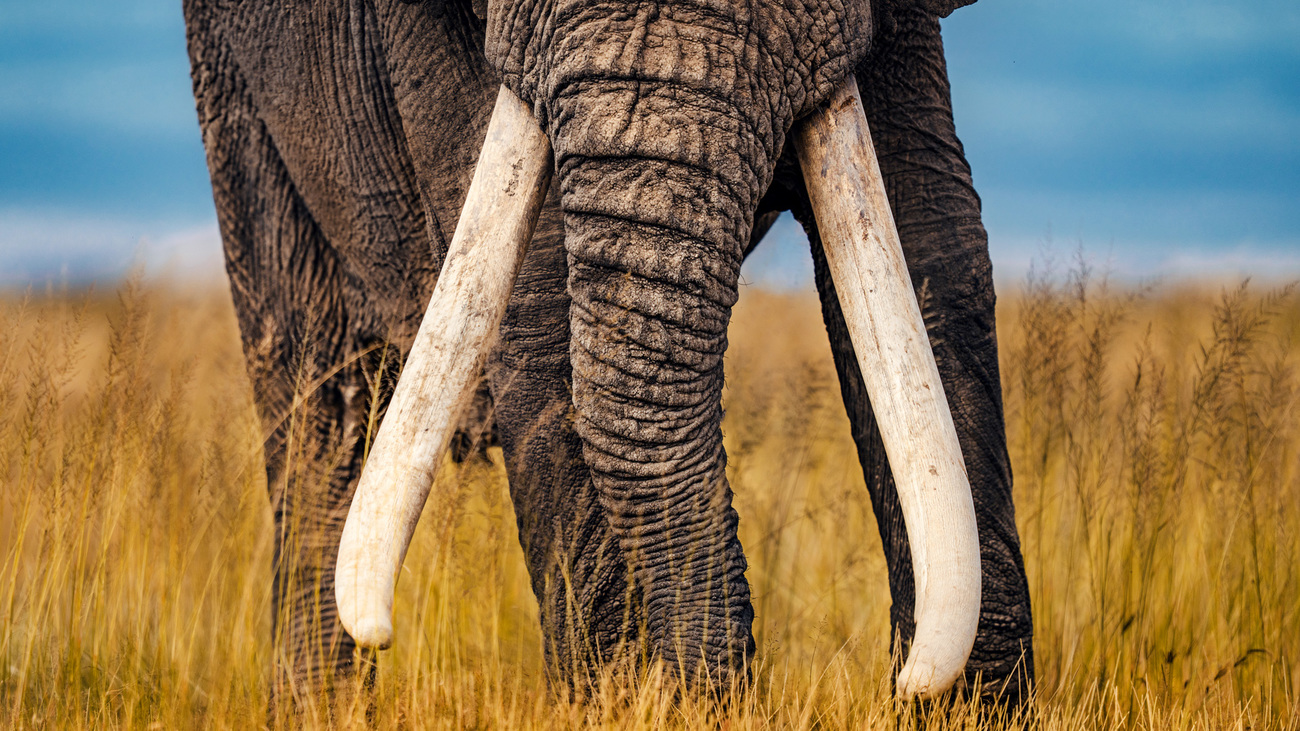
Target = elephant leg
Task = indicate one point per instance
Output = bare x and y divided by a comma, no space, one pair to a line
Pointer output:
287,289
578,574
905,91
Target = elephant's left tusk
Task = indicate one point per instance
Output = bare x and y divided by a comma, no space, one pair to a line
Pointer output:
866,262
495,226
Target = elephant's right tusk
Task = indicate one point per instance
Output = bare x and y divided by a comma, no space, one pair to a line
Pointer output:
889,336
496,224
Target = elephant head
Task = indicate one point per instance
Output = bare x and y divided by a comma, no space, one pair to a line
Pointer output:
662,123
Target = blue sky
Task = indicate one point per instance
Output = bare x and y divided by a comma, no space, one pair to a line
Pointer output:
1163,135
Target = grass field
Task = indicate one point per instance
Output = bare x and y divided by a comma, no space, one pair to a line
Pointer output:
1154,438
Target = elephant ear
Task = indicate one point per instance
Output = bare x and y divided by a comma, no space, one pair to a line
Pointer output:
943,8
884,13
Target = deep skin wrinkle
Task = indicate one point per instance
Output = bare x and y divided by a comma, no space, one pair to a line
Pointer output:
341,138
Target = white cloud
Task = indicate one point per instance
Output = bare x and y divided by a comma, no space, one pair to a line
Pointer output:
1137,261
38,247
192,253
1236,263
782,261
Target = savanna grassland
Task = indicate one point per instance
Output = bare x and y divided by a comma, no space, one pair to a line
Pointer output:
1154,437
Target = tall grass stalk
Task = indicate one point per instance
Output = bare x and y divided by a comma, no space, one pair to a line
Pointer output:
1153,436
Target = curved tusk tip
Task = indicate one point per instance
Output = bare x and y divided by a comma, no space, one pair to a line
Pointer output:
922,679
375,634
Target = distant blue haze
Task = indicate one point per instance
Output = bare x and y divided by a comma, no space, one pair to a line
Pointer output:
1163,135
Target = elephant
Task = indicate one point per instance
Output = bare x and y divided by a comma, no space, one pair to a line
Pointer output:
342,138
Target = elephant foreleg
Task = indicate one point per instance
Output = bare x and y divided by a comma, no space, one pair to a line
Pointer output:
578,574
905,92
287,289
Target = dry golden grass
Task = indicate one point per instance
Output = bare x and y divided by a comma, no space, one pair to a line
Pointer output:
1154,440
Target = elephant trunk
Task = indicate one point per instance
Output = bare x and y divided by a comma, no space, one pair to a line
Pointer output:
657,206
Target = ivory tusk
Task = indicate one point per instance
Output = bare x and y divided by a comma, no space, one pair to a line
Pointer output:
866,262
496,224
